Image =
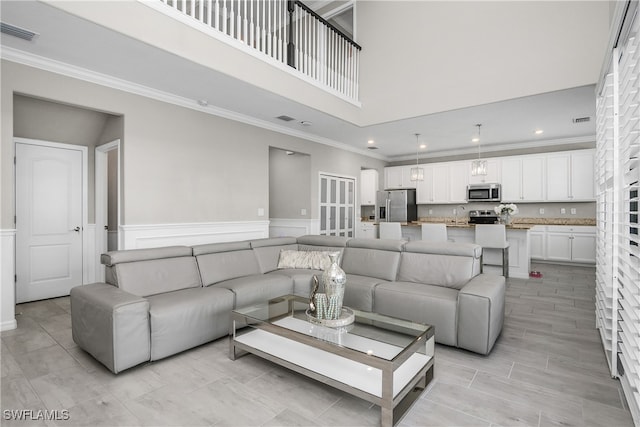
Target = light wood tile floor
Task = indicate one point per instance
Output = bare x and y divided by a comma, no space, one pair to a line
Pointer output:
547,369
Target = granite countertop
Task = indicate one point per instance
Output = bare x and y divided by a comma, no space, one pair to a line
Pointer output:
521,223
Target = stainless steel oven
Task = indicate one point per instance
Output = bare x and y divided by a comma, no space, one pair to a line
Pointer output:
484,193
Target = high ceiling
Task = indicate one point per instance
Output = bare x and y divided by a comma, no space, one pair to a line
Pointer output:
505,125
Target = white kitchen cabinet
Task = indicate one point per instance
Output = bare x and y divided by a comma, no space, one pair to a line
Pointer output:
398,177
558,176
538,238
570,176
368,187
494,171
443,183
582,175
523,179
571,243
458,181
440,181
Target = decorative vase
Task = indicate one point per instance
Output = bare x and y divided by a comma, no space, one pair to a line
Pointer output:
506,218
334,280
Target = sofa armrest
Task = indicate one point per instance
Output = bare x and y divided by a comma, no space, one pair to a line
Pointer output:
481,312
110,324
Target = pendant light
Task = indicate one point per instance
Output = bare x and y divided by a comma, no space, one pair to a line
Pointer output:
478,167
417,173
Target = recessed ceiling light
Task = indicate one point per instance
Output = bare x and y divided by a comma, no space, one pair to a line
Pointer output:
539,131
423,146
475,139
371,141
305,123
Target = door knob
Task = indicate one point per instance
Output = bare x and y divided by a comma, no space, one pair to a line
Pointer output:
77,229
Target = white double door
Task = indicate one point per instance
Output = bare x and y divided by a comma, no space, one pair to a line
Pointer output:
49,220
337,206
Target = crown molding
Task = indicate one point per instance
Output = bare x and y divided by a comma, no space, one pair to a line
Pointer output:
79,73
487,149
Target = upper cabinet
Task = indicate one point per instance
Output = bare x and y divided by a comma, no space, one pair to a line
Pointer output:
570,176
523,179
368,186
398,177
566,176
443,183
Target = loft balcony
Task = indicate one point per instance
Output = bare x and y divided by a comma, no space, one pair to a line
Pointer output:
284,31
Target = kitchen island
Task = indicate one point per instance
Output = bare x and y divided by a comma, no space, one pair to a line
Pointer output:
518,237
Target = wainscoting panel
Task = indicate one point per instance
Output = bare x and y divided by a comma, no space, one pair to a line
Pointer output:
7,280
285,227
156,235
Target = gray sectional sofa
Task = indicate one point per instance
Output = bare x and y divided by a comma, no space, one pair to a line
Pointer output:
158,302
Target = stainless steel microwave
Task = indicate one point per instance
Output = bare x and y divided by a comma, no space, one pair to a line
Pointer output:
484,193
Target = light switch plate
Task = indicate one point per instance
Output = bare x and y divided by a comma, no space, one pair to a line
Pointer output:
563,211
260,211
430,211
573,211
541,211
303,211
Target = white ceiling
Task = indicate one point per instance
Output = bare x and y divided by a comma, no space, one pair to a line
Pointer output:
505,125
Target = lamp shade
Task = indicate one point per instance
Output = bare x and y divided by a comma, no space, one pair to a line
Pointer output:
417,174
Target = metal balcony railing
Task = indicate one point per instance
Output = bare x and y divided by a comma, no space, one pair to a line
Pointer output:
287,31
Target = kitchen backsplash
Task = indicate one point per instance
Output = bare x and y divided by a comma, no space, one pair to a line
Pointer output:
529,210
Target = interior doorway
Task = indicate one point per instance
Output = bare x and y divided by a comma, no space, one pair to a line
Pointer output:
51,217
107,158
337,205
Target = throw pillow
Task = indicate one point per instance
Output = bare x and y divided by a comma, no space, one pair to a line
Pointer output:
315,260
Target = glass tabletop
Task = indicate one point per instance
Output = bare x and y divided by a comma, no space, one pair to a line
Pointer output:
371,333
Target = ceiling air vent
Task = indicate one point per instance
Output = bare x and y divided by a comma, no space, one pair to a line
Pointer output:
581,119
21,33
285,118
372,148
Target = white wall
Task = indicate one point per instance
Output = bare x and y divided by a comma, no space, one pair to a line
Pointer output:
187,176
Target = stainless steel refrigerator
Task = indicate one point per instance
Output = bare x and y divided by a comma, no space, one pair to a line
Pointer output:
396,206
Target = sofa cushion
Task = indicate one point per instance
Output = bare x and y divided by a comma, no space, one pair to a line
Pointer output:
184,319
450,265
220,266
314,260
267,251
373,258
156,276
258,288
359,291
302,279
431,305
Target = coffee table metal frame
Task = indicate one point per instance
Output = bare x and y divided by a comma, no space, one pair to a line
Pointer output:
393,405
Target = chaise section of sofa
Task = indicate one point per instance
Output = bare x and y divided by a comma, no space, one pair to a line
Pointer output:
440,284
173,308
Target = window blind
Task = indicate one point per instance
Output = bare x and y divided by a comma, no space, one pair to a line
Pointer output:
618,184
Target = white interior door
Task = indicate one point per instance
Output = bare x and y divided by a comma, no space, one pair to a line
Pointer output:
337,206
48,221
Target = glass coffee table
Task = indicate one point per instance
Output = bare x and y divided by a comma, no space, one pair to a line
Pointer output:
384,360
